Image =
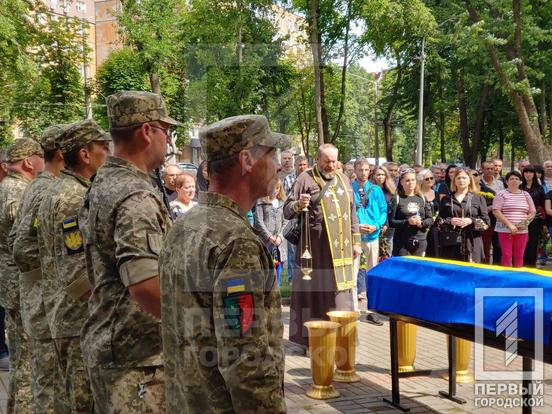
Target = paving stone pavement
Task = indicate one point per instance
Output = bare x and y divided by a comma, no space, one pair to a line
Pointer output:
4,377
420,394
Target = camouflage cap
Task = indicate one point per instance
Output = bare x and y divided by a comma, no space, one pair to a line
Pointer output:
50,135
80,133
127,108
231,135
23,148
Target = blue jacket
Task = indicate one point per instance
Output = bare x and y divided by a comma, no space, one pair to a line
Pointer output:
375,211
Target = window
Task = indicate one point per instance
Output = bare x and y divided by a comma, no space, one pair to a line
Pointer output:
53,4
81,6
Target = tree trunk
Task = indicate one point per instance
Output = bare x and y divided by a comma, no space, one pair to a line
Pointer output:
442,136
343,74
543,112
463,115
318,81
387,121
522,99
549,133
441,120
481,110
155,83
500,142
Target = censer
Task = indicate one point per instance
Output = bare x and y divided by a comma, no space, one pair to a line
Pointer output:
306,256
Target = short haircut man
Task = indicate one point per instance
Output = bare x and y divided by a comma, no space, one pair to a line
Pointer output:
219,290
25,158
65,284
124,222
169,177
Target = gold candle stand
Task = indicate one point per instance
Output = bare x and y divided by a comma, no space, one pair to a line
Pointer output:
463,357
406,343
345,345
322,337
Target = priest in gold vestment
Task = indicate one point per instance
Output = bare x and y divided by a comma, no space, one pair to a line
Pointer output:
335,242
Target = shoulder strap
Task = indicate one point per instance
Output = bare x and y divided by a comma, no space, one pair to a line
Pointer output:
468,203
369,189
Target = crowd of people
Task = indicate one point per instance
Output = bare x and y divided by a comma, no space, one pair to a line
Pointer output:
445,211
123,292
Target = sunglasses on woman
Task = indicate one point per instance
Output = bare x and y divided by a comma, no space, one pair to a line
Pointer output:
429,178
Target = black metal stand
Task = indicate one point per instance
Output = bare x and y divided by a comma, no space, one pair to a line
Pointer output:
451,394
395,400
527,385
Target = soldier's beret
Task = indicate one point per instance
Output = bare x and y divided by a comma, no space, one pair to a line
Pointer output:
231,135
127,108
50,135
80,133
23,148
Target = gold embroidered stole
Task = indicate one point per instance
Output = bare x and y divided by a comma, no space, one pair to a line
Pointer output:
336,210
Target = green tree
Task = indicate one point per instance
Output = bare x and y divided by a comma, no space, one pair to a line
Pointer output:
150,27
234,61
43,66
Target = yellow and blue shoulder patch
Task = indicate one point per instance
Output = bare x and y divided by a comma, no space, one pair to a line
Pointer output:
235,286
72,236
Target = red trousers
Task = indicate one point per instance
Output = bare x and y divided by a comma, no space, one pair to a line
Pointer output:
513,248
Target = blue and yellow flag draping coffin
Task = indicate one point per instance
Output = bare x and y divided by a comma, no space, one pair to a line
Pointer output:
443,291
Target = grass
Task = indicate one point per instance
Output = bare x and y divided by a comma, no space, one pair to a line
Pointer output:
285,288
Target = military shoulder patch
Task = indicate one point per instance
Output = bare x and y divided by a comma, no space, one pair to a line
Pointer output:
72,236
239,312
235,286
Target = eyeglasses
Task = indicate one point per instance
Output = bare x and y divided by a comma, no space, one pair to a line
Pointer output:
429,178
168,131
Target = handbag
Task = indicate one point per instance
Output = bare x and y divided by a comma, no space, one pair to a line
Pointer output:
292,229
450,237
479,224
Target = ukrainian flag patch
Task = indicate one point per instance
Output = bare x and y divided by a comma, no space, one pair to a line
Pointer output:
70,223
72,236
235,286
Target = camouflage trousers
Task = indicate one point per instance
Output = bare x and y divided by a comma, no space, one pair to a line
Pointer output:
138,390
19,389
73,375
49,396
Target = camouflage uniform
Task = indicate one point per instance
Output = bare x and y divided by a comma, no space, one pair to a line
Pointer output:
48,395
222,327
124,222
11,192
65,281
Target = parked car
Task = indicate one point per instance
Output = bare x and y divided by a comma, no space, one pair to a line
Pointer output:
188,167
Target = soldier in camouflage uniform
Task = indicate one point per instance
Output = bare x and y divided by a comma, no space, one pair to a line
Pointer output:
48,395
124,222
25,161
65,284
222,327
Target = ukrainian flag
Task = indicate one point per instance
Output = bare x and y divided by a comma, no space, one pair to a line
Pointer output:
235,286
